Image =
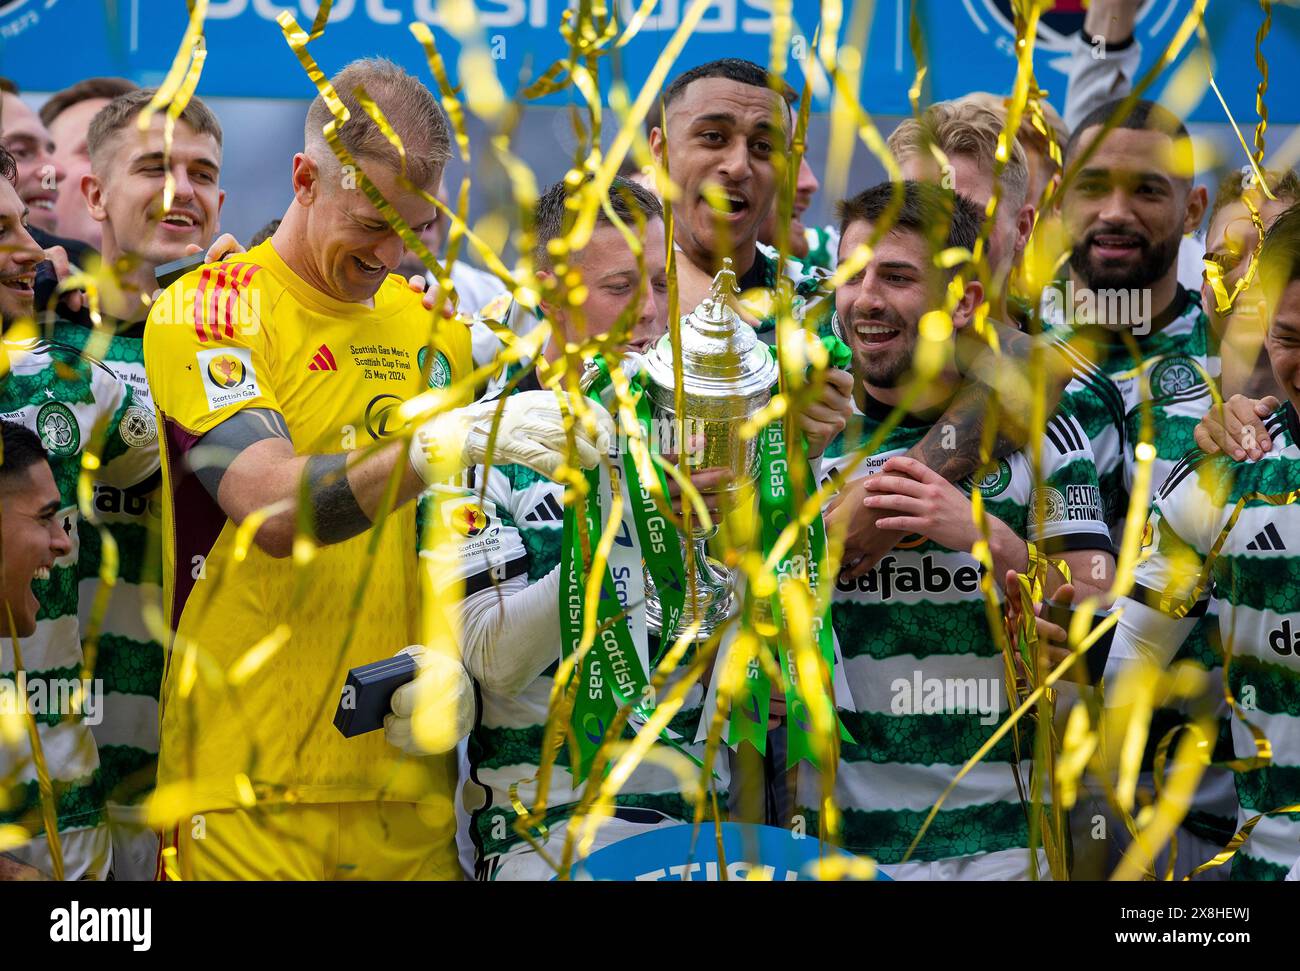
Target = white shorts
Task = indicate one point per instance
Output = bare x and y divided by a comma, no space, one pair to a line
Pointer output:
521,862
135,845
1002,865
87,854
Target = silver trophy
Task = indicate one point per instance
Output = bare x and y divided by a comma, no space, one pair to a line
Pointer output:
727,376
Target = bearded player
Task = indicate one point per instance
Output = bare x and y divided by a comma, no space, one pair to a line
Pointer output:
1126,215
918,618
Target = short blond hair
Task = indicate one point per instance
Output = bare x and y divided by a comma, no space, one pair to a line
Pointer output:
1030,137
407,105
122,111
965,129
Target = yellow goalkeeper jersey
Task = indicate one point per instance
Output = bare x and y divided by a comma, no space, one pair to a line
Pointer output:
261,645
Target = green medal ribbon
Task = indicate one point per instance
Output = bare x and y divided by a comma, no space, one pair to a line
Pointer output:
613,674
595,706
776,510
748,721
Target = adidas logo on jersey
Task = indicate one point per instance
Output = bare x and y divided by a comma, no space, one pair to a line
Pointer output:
323,360
548,510
1267,538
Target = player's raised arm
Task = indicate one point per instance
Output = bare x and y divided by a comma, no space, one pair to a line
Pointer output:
248,463
220,349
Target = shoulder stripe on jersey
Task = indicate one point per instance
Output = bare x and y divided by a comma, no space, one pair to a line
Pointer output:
1051,434
1151,598
209,313
239,279
214,296
1092,377
1062,439
1186,465
1069,429
1086,370
481,581
1180,469
199,293
224,296
1065,429
219,299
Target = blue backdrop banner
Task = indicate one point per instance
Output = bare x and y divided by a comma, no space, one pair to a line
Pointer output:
48,44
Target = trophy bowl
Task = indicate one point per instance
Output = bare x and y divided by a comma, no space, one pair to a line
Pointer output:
727,376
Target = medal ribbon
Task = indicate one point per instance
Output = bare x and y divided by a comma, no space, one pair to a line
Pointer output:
616,672
776,506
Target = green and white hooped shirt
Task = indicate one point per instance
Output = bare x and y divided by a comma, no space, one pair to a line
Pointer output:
51,389
129,659
519,533
1177,367
1174,373
1254,585
925,675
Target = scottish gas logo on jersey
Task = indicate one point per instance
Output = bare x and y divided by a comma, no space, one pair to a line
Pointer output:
228,376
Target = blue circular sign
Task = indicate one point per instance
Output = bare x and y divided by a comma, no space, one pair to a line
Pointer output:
670,854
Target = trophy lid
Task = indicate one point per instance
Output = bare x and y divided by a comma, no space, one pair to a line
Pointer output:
721,354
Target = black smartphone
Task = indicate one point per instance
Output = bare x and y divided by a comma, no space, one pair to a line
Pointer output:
367,695
169,273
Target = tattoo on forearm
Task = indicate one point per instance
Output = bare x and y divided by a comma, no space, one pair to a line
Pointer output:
210,458
336,514
952,446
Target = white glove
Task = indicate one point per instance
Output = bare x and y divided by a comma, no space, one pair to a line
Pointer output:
433,712
531,433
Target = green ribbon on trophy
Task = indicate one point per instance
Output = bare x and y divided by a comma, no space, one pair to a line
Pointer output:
776,507
615,671
727,375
